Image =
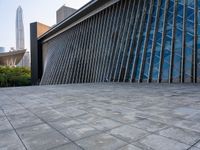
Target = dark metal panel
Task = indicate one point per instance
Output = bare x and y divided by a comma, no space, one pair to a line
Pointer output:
118,40
133,13
75,48
81,28
93,39
80,55
133,38
113,41
71,55
122,41
85,50
107,38
89,53
102,42
96,42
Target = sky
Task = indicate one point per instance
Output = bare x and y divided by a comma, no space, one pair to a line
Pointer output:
43,11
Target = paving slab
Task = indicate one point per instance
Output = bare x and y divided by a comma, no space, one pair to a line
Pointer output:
183,135
101,142
102,116
24,120
10,141
149,125
156,142
41,137
70,146
4,124
105,124
130,147
128,134
78,132
64,123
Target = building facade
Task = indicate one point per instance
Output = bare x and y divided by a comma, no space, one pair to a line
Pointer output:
63,12
123,41
11,58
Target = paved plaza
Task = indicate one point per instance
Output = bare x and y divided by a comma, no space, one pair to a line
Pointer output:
104,116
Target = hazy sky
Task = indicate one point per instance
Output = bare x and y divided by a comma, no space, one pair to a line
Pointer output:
43,11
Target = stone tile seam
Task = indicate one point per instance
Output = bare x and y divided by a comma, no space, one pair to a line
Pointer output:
15,131
129,124
56,130
156,133
194,145
49,125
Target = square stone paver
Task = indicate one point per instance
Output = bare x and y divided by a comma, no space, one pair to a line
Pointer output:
41,137
183,135
128,133
24,120
48,114
156,142
71,112
130,147
10,141
64,123
102,116
149,125
88,118
78,132
101,142
69,146
4,124
105,124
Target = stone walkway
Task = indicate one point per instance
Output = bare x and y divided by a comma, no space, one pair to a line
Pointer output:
101,117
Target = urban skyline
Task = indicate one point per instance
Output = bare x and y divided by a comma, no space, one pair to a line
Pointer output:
32,12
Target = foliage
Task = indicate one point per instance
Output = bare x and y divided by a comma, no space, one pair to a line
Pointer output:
14,76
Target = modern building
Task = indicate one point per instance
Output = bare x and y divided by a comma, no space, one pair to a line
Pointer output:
121,41
25,61
11,58
63,12
19,29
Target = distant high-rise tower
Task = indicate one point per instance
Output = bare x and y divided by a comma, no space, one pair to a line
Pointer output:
19,29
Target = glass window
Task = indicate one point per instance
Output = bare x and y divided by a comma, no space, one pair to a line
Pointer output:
189,42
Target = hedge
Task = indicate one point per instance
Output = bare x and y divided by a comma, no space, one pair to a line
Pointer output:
14,76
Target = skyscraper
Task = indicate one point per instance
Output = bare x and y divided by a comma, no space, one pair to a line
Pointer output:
20,37
19,29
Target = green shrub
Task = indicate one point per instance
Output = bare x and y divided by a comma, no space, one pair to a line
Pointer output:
15,76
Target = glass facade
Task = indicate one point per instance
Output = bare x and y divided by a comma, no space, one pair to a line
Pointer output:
129,41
